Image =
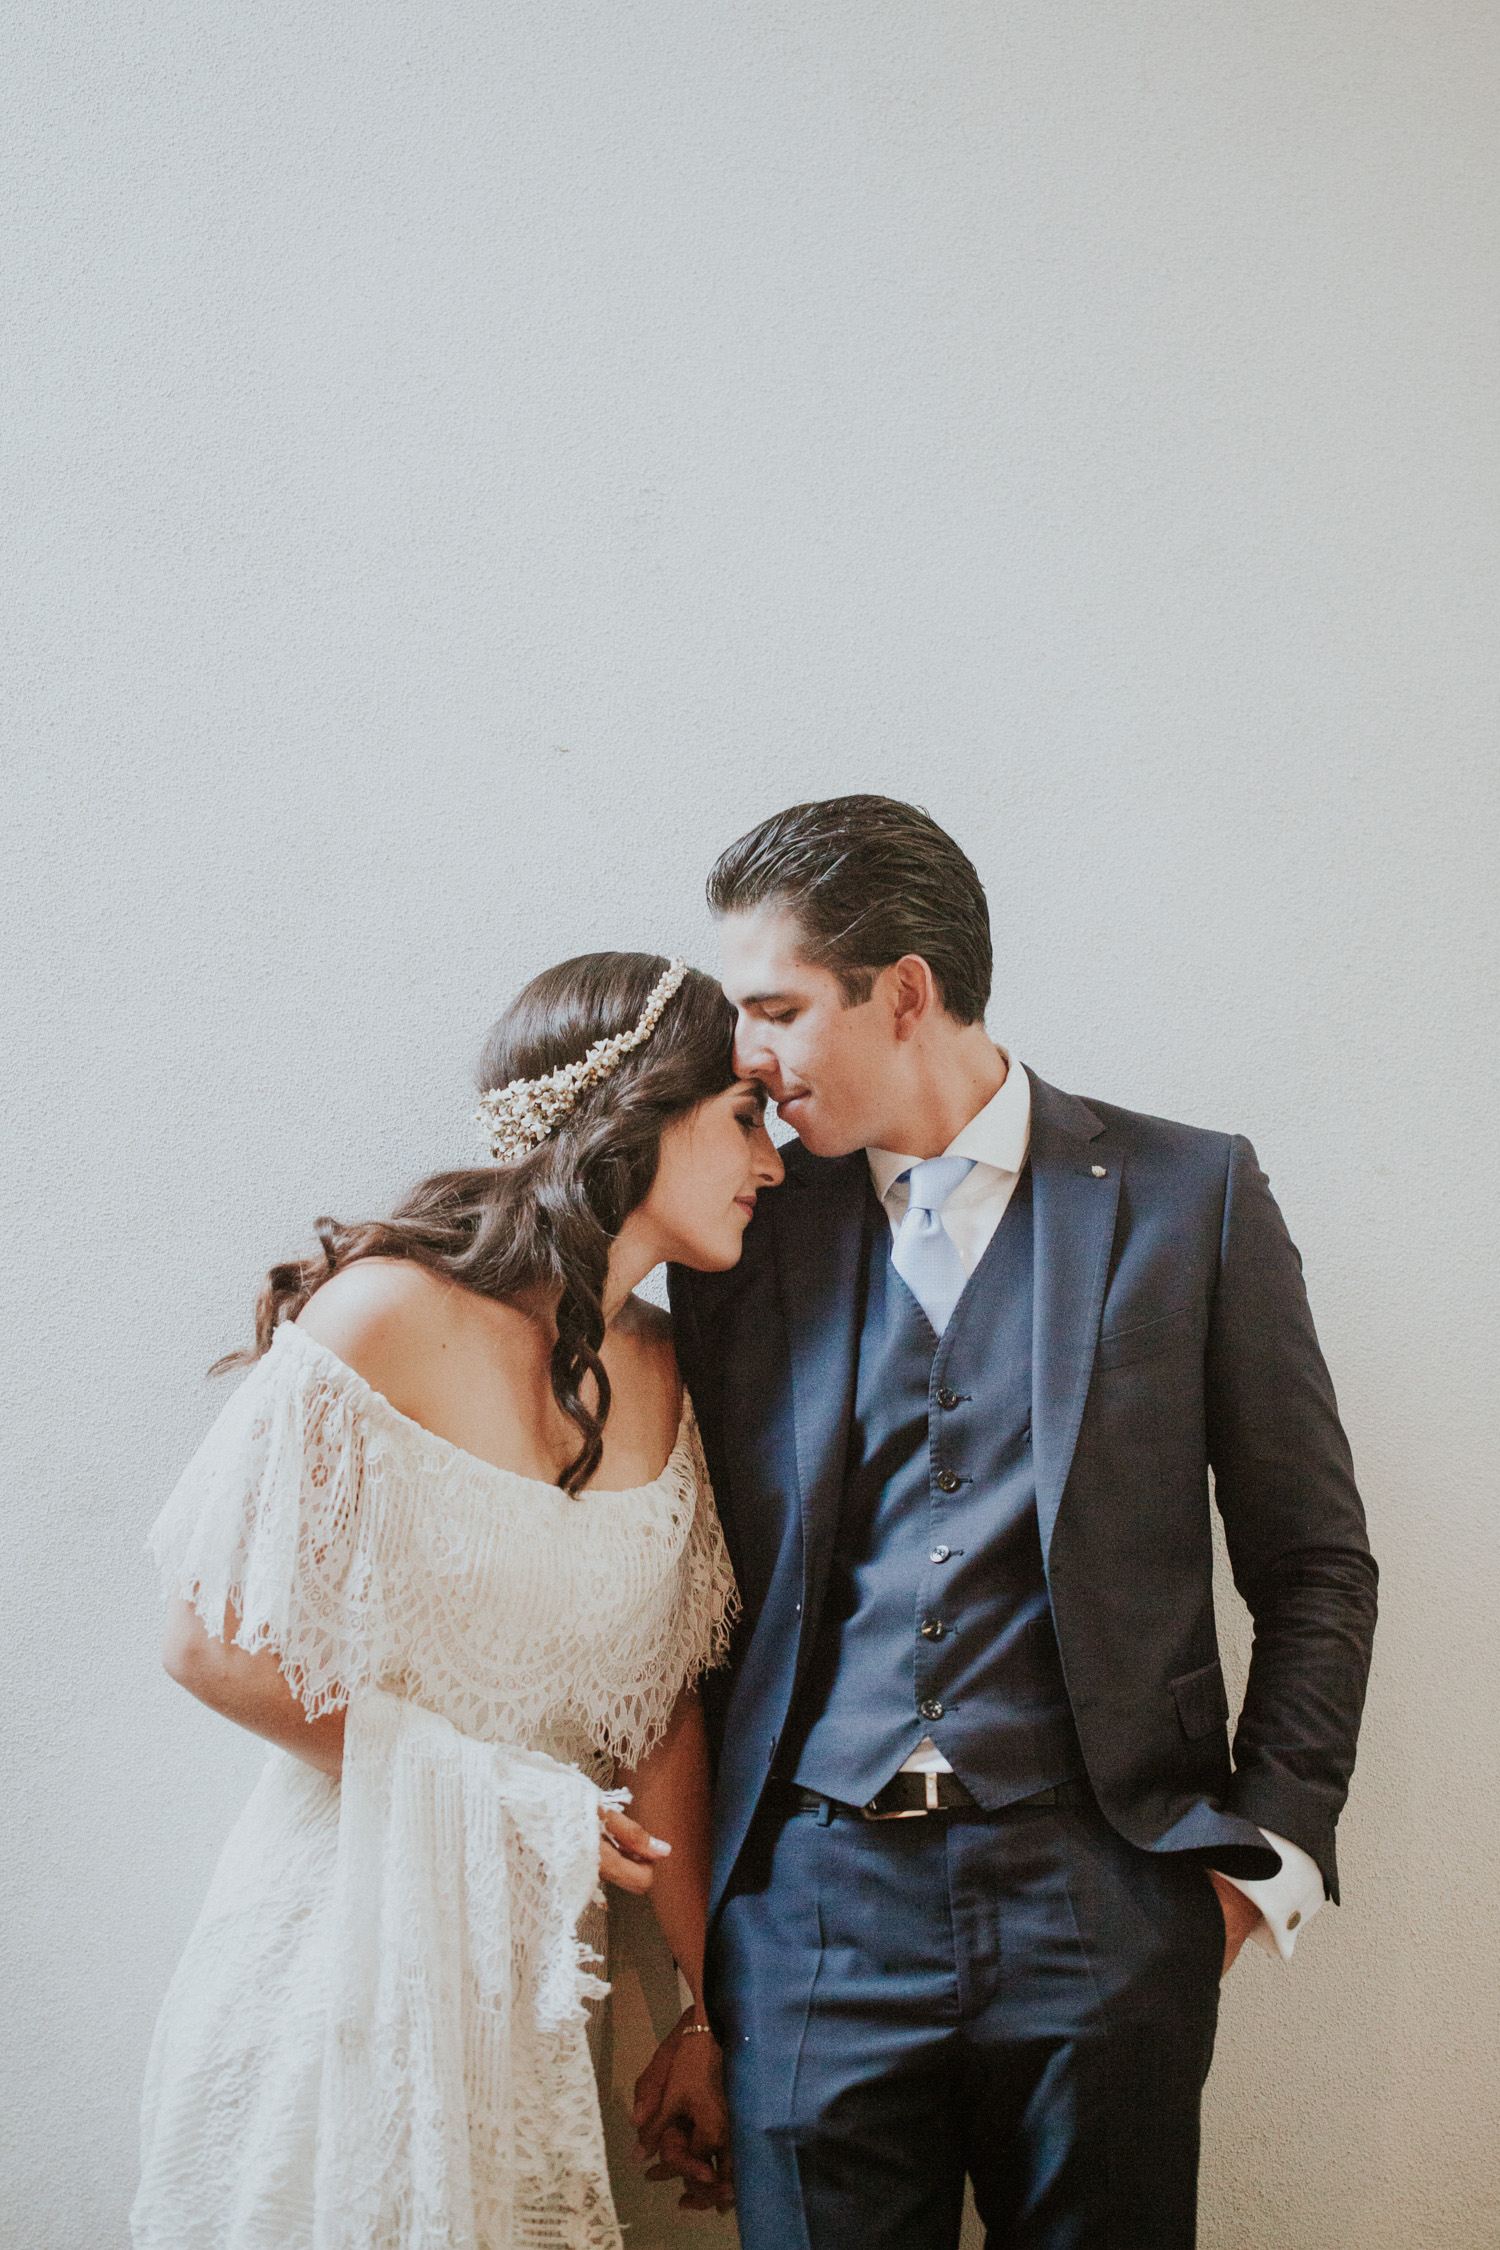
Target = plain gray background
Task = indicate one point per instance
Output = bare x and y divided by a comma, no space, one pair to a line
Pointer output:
464,463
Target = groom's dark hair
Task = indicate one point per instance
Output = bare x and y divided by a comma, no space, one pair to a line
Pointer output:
867,879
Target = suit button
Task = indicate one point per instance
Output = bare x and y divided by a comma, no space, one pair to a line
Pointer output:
947,1399
929,1710
947,1481
940,1554
932,1628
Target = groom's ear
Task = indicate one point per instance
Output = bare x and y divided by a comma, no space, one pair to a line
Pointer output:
910,991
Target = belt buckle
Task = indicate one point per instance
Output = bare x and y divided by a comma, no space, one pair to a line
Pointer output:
916,1812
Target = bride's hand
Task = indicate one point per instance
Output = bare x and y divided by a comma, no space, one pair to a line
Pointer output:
627,1854
681,2119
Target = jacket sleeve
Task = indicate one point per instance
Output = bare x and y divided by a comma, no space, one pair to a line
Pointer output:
1295,1529
700,1356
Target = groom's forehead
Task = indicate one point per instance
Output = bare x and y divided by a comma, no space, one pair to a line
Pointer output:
763,959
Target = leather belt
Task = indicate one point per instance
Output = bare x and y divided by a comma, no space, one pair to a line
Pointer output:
909,1796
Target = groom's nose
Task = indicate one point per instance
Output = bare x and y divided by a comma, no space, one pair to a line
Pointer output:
753,1057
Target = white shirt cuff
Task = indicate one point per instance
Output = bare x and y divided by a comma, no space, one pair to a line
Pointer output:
1287,1901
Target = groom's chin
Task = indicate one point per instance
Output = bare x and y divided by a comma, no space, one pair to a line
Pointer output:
818,1137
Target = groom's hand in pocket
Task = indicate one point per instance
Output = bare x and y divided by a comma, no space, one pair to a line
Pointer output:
1240,1917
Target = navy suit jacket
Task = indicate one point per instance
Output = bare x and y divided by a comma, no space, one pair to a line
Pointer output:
1172,1338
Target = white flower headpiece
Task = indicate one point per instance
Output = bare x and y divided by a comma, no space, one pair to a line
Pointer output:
517,1118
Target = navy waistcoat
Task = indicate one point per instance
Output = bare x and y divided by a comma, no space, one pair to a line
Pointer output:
936,1619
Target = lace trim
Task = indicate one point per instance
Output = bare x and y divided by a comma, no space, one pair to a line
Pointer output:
367,1552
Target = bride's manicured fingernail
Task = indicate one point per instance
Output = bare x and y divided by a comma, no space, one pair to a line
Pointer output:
658,1846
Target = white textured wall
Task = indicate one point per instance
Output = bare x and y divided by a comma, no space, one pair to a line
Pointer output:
468,460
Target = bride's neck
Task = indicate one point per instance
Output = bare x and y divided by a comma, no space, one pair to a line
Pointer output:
632,1255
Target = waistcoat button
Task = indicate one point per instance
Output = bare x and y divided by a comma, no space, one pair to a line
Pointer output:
932,1628
947,1481
929,1710
947,1399
940,1554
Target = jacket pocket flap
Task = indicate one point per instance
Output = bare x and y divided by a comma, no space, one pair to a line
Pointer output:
1120,1346
1201,1701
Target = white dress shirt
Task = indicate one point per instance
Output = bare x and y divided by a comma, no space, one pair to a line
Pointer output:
997,1140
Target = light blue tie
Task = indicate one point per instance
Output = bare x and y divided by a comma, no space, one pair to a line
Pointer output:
923,1255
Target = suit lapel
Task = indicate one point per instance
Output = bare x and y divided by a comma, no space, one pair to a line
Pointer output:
1075,1224
818,1223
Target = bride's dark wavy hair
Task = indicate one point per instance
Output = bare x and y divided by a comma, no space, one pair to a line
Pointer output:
547,1222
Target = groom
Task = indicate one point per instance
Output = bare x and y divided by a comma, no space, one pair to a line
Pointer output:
982,1852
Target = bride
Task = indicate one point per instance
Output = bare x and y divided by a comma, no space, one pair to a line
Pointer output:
451,1549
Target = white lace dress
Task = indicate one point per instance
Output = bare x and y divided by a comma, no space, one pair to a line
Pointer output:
377,2035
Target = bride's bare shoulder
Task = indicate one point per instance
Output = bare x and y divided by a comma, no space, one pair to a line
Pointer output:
383,1317
368,1295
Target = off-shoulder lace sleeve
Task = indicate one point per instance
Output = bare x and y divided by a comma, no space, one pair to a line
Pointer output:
710,1598
679,1628
272,1514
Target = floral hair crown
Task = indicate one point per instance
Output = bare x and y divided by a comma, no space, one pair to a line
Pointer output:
517,1118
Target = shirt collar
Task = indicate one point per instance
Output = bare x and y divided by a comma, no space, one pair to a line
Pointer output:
998,1135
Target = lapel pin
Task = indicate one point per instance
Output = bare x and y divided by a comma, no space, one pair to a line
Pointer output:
1099,1171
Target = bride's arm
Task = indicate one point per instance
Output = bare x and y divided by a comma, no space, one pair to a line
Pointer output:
680,2111
249,1688
669,1793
